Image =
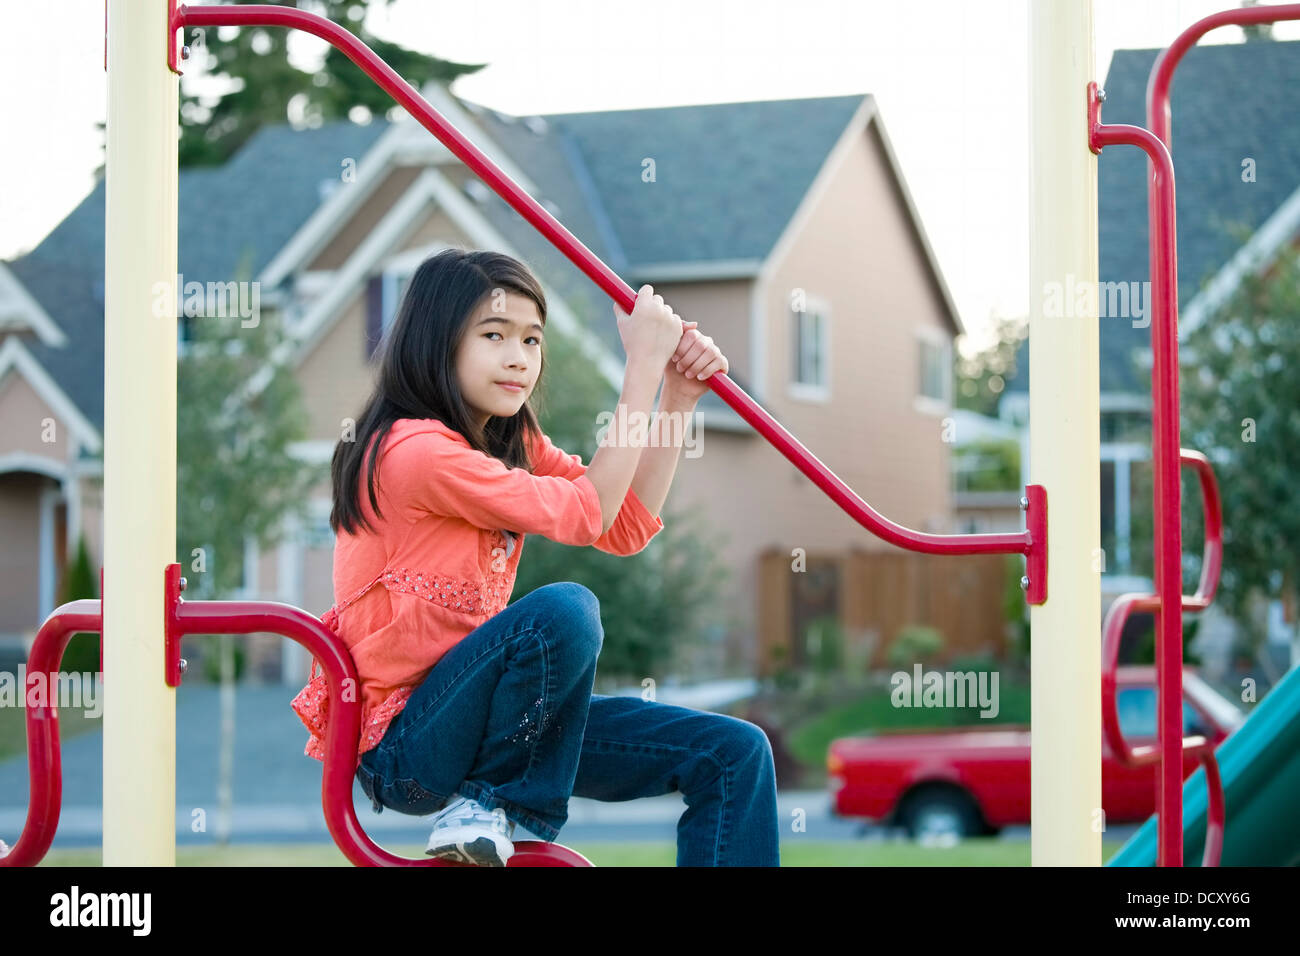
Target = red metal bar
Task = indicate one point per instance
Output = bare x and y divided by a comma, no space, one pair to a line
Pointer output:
1113,628
1159,111
1165,421
44,769
1030,543
228,617
1198,745
1164,426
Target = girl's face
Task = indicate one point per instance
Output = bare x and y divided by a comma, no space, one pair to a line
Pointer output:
503,344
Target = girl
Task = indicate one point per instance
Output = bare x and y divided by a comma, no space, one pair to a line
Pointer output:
483,711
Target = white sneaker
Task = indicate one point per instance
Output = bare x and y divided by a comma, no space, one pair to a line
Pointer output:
467,832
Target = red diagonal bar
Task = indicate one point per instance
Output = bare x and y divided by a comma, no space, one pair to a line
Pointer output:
1024,542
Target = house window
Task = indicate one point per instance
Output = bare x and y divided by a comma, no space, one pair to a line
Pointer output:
935,370
1125,510
317,533
810,350
383,296
384,292
395,281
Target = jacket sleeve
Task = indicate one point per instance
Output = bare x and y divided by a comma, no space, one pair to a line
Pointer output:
634,525
435,473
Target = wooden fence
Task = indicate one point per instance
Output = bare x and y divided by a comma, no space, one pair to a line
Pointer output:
873,595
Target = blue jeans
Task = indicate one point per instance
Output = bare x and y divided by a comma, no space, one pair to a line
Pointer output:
507,718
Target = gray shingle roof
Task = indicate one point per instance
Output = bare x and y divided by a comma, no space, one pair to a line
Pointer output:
728,178
1230,101
724,187
252,205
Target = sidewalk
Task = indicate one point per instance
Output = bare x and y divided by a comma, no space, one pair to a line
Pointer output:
276,788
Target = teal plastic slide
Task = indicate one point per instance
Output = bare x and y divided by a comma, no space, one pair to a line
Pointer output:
1260,767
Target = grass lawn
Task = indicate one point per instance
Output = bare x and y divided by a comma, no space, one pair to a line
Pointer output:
977,852
13,727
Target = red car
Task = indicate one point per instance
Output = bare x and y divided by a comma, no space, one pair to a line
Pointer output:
972,782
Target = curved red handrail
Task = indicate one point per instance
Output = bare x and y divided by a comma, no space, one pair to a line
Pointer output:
230,617
1031,542
1161,78
1162,254
44,769
1166,418
1113,628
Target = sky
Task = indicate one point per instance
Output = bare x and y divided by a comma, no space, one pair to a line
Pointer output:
942,71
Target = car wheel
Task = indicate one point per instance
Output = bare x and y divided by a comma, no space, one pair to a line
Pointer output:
940,818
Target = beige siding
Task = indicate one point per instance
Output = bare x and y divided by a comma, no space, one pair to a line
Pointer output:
337,251
20,521
29,424
856,250
335,377
722,309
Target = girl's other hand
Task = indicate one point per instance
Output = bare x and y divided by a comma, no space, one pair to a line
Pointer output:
691,365
652,332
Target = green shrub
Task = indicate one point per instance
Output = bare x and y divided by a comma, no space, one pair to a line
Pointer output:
212,657
81,582
916,642
825,643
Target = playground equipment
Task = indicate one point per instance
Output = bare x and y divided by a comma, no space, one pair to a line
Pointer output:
1260,760
1260,770
140,406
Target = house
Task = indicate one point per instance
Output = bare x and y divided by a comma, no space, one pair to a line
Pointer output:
1236,152
733,211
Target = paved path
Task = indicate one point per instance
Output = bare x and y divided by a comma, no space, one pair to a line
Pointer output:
277,788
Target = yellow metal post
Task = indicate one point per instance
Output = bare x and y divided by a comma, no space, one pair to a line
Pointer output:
1064,438
139,435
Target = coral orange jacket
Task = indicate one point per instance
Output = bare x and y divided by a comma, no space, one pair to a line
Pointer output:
448,545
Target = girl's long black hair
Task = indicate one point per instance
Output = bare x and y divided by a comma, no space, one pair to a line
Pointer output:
417,372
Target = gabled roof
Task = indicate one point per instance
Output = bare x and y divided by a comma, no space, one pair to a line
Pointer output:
727,179
249,206
1231,101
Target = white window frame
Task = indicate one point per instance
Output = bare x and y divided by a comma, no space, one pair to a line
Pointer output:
928,404
1123,455
812,391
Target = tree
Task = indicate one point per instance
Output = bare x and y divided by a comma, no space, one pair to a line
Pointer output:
987,465
1241,407
271,90
982,377
80,581
235,477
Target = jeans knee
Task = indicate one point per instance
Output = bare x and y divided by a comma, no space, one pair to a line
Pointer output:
746,742
579,615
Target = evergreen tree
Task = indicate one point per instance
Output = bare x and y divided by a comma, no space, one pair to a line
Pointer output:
80,582
271,90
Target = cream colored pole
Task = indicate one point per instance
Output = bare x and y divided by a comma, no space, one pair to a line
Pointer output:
140,230
1064,438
